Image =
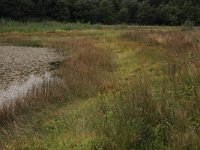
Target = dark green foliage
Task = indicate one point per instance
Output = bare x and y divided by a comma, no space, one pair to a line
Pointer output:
132,7
34,9
106,11
188,25
145,12
85,11
123,15
58,10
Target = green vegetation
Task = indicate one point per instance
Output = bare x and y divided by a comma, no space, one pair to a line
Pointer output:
188,25
143,12
124,87
12,26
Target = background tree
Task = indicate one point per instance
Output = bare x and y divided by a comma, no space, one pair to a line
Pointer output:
58,10
132,7
106,12
86,10
123,15
146,12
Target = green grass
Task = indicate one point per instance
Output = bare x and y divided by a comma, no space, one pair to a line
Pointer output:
27,27
120,91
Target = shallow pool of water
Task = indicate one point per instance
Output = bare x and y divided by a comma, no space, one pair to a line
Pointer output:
19,90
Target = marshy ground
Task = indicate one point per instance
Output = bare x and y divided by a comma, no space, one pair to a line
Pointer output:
124,87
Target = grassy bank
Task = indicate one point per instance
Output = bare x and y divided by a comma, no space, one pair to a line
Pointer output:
123,88
27,27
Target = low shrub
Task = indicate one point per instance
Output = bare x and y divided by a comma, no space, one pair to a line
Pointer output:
188,25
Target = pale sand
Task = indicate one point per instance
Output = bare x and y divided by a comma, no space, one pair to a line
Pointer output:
20,67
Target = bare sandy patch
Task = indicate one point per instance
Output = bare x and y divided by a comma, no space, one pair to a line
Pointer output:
18,64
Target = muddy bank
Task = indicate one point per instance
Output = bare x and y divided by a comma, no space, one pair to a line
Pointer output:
21,67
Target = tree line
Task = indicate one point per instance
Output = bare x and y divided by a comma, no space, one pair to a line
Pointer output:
143,12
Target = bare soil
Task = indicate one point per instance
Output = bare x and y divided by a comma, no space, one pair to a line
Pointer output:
18,63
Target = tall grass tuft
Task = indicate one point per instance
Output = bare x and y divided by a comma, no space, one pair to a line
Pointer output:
130,119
